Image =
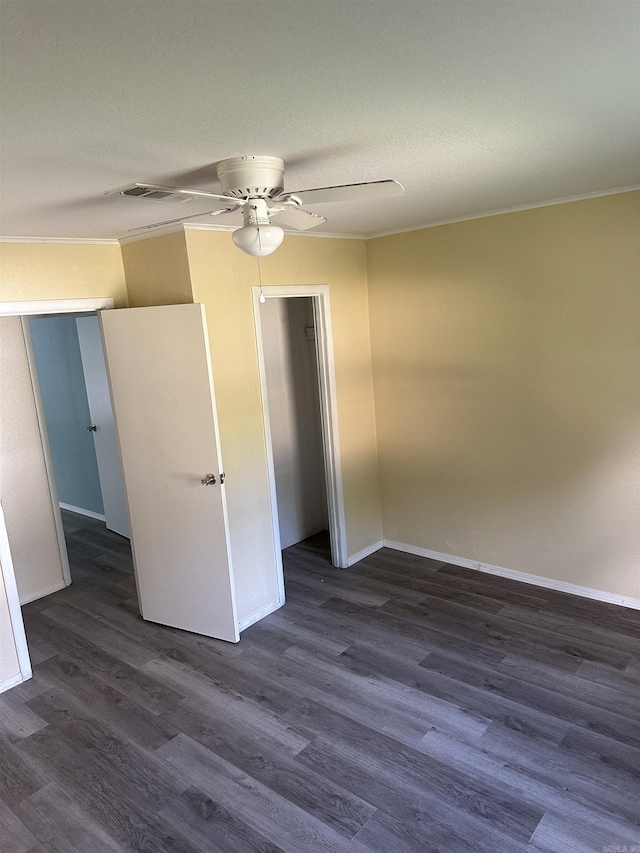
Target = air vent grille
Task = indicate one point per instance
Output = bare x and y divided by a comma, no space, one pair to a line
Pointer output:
141,191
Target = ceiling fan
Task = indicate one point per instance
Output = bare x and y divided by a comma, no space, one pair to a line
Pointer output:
255,185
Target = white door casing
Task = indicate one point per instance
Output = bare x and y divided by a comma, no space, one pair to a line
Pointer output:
106,443
328,411
163,403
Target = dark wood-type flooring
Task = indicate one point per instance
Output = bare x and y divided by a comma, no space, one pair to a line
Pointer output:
402,705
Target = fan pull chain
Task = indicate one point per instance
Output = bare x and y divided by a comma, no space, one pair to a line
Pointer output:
262,300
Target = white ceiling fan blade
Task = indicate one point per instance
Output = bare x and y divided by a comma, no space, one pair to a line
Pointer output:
296,217
230,209
187,192
350,192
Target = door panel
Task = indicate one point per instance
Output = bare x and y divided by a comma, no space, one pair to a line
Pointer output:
162,392
106,443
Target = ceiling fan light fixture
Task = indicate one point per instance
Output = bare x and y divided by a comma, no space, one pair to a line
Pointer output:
258,240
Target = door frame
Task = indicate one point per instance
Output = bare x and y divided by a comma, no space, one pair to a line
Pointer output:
319,293
43,308
15,613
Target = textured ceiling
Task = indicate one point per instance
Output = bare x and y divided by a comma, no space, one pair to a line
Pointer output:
473,106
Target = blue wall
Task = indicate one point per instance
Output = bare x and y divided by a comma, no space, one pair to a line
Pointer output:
64,397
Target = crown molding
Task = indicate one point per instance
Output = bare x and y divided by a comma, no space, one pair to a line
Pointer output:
67,241
501,212
204,226
152,232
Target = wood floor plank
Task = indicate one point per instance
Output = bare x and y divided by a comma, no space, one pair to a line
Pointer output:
211,827
14,835
410,800
131,681
226,703
402,765
498,631
100,635
545,699
92,696
597,695
273,816
275,769
18,777
17,720
120,787
484,704
385,834
618,812
60,826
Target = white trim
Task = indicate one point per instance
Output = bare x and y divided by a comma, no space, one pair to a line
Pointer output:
55,306
174,228
365,552
69,241
260,614
80,511
46,450
205,226
504,210
331,235
328,412
523,577
13,681
40,593
15,614
271,475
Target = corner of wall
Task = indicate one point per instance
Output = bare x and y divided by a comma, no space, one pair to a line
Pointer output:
157,271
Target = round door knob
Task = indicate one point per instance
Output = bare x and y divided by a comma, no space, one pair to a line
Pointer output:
208,479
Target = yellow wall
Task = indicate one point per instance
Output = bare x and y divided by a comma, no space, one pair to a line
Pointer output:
61,271
222,278
506,358
157,270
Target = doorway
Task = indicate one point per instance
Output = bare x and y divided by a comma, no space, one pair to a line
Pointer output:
295,358
68,373
293,400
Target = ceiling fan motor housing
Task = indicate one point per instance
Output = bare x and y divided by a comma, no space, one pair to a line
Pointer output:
251,176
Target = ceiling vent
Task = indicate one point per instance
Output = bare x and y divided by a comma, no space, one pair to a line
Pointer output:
143,191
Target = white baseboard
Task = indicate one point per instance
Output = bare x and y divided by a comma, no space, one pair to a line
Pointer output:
365,552
32,596
80,511
523,577
8,683
260,614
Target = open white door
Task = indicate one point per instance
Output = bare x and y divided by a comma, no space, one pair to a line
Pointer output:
162,393
104,436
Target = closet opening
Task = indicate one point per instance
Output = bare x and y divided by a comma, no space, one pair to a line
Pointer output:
298,394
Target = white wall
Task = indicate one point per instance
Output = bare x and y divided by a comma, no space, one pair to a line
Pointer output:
24,487
294,415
